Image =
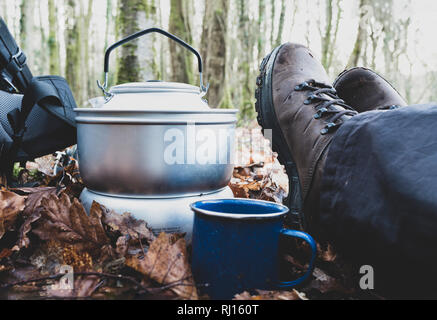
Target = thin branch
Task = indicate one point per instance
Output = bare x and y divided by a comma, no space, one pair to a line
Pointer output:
103,275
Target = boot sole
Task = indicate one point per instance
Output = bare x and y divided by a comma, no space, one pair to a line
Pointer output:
268,121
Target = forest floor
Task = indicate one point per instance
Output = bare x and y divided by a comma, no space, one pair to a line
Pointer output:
115,256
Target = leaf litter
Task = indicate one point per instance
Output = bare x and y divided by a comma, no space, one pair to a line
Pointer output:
43,226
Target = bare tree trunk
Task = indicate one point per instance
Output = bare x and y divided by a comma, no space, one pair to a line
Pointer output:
326,40
4,11
42,65
281,24
27,25
73,70
335,34
135,58
273,17
295,9
86,17
307,26
246,55
214,47
53,40
261,28
181,59
361,36
108,21
161,74
128,63
374,41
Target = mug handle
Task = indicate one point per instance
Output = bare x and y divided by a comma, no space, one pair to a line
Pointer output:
306,237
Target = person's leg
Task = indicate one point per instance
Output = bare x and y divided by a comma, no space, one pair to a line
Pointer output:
368,187
397,268
379,197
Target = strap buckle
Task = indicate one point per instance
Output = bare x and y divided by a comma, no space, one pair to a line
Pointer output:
11,70
15,58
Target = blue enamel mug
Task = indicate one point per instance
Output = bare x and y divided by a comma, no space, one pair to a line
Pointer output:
235,246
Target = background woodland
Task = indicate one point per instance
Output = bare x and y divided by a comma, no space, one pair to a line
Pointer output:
69,37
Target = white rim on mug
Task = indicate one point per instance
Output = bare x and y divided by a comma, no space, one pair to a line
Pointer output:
240,216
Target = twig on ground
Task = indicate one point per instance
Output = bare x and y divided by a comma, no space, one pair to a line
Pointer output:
143,288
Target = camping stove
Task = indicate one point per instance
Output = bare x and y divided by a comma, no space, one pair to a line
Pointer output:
140,147
171,215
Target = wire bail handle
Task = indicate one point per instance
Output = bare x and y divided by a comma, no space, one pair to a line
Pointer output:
108,95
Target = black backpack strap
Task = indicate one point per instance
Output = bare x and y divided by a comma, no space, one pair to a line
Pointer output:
36,93
15,75
65,111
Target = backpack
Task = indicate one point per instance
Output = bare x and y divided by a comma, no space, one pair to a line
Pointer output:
36,113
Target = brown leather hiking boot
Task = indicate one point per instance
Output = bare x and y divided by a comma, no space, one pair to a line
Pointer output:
295,100
365,90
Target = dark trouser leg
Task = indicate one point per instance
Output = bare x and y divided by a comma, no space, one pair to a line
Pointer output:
379,197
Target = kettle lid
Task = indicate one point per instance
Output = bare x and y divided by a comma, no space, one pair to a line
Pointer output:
153,96
154,86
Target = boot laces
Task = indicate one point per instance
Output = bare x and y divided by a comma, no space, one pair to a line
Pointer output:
326,96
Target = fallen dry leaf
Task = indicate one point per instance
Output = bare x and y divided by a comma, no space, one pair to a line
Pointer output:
272,295
122,246
3,180
47,257
68,222
328,255
5,253
44,164
23,240
69,174
84,287
166,262
123,225
82,244
11,204
34,196
259,176
32,211
275,194
80,261
326,284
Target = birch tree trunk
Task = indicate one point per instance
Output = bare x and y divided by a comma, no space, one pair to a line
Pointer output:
180,26
214,47
135,57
